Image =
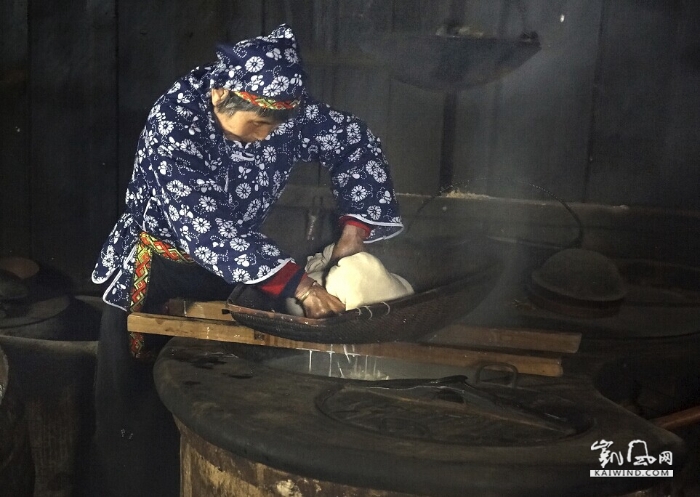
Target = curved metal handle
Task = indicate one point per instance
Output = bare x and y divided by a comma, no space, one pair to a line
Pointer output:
503,365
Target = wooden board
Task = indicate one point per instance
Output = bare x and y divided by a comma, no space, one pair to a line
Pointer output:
459,335
208,329
525,339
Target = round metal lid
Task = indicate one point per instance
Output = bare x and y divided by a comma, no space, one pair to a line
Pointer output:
581,274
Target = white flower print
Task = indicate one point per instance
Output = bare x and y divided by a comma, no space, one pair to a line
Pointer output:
227,229
277,86
190,147
244,260
376,170
336,116
201,225
165,127
274,54
263,179
355,172
355,156
239,244
271,250
184,98
173,213
206,255
353,133
164,233
269,154
284,127
243,172
342,179
256,81
164,168
243,190
252,210
263,271
384,196
240,275
175,87
312,111
328,142
194,127
185,212
183,112
291,55
108,256
307,144
374,212
295,80
358,193
207,204
204,185
254,64
178,189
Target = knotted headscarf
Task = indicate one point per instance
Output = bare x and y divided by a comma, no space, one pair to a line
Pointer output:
266,70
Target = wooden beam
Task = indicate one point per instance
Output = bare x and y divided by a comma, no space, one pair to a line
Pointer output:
215,309
464,335
543,365
459,335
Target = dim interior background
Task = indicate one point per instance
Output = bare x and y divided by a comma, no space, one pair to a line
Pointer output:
606,116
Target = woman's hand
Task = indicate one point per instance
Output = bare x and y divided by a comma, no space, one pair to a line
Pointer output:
351,242
316,301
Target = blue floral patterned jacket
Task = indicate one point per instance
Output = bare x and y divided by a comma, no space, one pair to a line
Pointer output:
208,195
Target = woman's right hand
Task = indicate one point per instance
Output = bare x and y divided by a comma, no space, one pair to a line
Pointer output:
316,301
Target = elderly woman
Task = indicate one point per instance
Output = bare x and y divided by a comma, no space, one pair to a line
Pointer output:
215,154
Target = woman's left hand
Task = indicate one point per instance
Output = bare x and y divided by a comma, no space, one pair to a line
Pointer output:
351,242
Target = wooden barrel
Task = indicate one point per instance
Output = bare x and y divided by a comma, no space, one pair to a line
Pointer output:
54,380
16,467
250,429
49,338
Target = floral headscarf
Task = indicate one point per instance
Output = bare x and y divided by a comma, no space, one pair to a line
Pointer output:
268,66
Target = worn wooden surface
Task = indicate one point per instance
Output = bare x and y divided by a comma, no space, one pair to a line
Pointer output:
458,335
206,469
208,329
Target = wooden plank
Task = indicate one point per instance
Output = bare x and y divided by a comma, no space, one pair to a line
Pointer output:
510,338
543,365
460,335
214,309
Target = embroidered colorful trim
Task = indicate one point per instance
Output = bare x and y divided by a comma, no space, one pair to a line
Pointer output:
148,245
267,103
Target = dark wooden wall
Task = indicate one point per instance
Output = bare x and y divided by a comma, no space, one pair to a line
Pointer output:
607,112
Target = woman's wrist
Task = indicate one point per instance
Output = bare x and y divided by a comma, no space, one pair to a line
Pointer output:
304,288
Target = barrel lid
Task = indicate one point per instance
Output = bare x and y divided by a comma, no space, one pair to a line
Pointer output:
282,420
581,274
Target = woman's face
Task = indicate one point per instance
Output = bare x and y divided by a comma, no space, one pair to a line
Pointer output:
243,126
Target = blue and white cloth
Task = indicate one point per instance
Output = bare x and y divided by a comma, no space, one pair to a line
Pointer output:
209,196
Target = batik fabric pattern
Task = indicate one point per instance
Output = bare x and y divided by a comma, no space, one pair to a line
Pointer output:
208,196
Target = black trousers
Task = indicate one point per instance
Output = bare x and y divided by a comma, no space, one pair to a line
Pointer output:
136,444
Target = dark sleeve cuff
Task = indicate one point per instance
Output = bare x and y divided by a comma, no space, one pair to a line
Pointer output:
284,282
